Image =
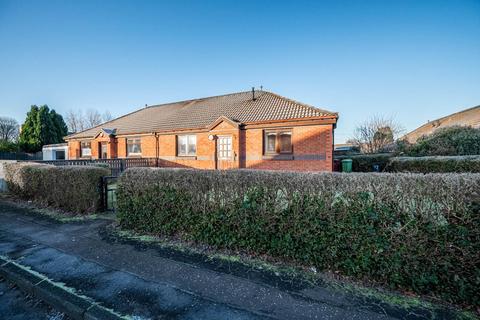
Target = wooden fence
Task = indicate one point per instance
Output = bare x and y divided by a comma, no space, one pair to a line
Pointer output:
116,166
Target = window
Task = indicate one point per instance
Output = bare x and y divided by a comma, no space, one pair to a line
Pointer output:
278,141
187,145
271,142
134,147
224,147
285,139
59,154
85,149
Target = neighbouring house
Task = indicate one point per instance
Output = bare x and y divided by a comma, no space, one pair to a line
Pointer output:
58,151
256,129
469,117
345,148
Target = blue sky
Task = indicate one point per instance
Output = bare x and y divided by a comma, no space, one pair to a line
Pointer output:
411,60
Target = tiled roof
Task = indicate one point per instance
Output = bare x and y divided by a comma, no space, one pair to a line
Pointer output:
469,117
200,113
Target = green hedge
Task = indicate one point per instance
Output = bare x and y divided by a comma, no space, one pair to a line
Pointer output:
412,231
365,162
72,188
451,141
435,164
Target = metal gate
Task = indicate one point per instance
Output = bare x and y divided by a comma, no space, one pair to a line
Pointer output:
110,193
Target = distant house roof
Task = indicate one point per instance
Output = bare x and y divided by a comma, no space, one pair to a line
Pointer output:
55,145
344,147
200,113
469,117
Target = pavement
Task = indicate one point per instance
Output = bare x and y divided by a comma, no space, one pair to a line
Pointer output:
146,283
16,305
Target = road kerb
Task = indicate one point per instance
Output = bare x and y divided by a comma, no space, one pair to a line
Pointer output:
55,294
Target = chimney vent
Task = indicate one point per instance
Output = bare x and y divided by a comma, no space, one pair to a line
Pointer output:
253,93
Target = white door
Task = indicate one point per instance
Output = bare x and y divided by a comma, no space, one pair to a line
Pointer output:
224,152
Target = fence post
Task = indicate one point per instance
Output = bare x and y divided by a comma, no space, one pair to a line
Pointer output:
104,194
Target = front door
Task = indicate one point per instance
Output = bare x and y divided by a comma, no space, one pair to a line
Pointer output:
224,153
103,150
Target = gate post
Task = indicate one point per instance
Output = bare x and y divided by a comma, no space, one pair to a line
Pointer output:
123,165
103,186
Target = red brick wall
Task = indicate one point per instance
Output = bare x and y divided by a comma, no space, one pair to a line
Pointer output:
73,149
149,146
122,147
203,160
312,149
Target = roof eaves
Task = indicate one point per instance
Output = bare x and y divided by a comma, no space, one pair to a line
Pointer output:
319,118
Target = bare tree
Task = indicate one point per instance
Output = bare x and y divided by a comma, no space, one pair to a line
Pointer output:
78,121
8,129
75,121
92,118
107,116
376,134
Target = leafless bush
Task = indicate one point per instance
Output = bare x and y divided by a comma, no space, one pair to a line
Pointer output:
376,134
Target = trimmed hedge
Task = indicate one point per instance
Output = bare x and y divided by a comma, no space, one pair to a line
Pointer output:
365,162
72,188
412,231
435,164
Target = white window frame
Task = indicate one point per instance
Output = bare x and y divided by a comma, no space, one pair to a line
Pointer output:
82,149
191,140
139,143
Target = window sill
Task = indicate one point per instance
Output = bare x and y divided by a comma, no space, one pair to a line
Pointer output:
278,157
138,155
180,157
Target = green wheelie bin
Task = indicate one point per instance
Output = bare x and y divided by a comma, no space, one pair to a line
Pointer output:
347,165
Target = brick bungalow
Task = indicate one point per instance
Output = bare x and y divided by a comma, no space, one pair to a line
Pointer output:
257,129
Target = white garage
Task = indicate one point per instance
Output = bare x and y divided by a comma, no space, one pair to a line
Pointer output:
57,151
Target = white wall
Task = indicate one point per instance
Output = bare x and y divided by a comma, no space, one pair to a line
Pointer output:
49,152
